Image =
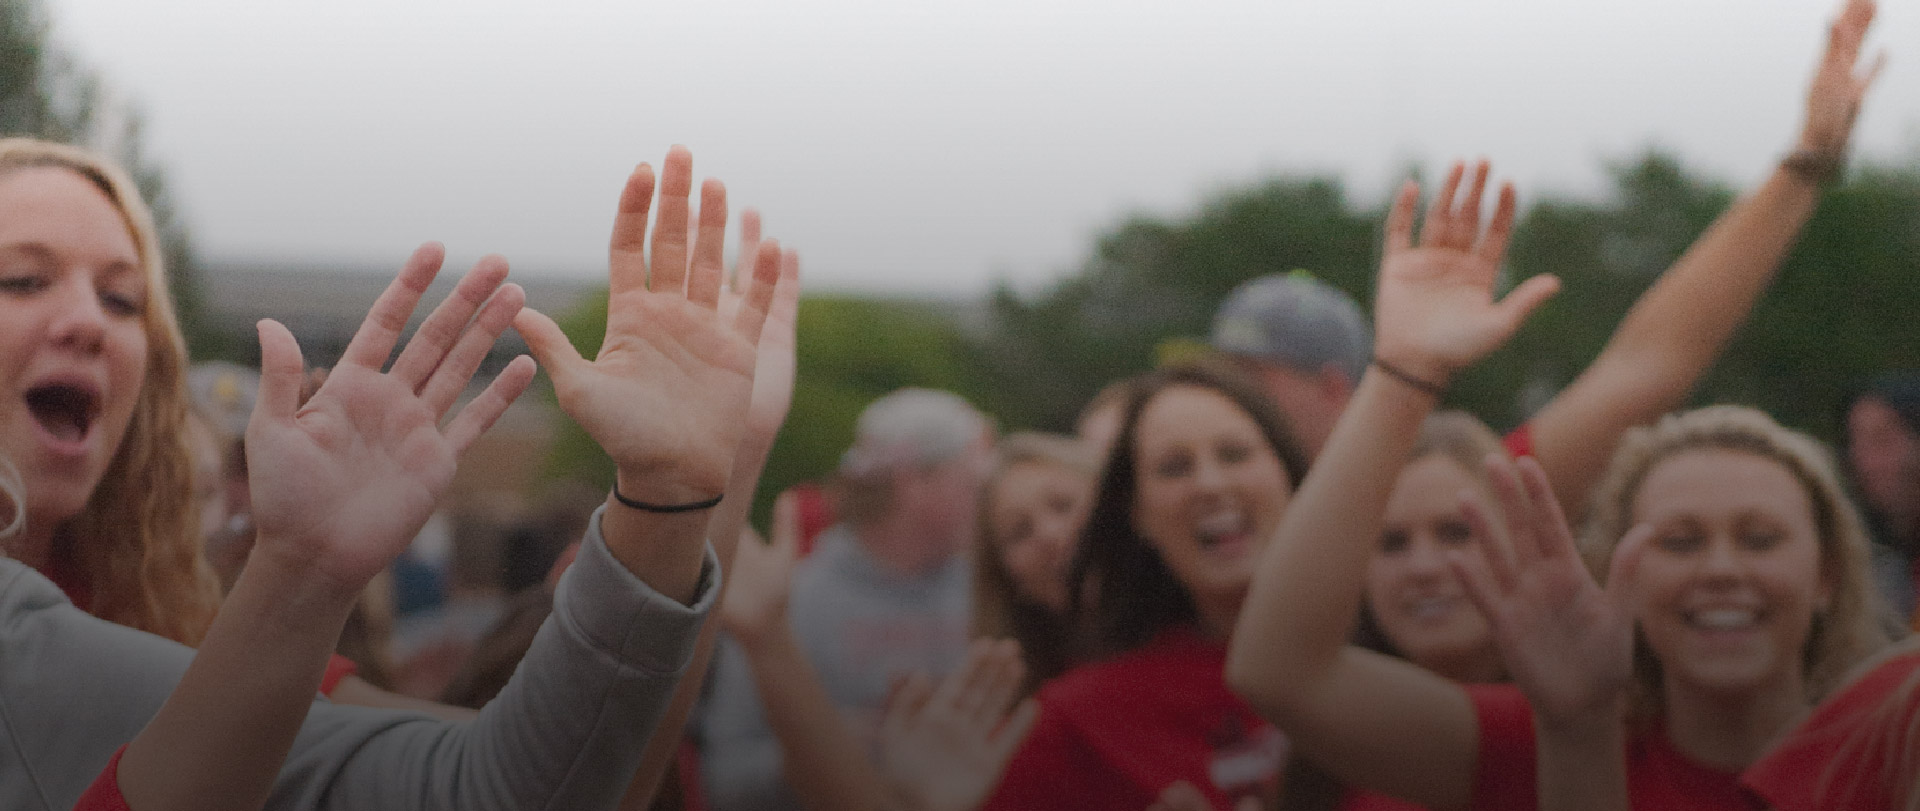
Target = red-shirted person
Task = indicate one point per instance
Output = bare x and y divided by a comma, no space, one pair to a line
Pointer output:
1195,482
1855,752
1757,535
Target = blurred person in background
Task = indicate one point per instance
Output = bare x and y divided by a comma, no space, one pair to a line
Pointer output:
885,593
1882,431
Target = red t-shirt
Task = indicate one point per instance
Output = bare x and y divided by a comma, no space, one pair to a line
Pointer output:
1520,442
103,794
1838,757
1115,734
1369,801
1658,776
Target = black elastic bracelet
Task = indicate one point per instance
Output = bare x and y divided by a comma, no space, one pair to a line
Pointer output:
1438,391
692,506
1819,167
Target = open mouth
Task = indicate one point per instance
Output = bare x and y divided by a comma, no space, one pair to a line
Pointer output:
1723,619
1222,528
65,411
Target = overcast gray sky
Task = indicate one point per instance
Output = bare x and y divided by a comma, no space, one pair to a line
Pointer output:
929,146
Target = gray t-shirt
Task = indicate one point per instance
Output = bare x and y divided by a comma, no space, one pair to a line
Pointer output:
860,626
566,733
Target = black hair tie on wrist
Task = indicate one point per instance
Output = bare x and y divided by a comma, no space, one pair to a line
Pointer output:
692,506
1438,391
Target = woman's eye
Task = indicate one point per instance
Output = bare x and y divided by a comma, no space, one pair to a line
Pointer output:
1761,538
1232,454
1680,541
1173,467
122,304
1393,541
1453,532
22,283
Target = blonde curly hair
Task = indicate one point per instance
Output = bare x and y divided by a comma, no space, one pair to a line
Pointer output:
136,543
1855,624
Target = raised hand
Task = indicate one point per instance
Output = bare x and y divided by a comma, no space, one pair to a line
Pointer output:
773,368
342,483
755,606
1833,101
666,396
1567,642
1435,311
944,748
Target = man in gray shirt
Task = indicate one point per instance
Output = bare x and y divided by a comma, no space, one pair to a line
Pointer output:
885,593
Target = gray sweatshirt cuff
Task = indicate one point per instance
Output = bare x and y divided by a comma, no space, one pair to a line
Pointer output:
621,615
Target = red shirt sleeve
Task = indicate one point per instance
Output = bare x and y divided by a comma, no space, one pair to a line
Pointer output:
104,794
1504,777
1836,758
338,667
1520,442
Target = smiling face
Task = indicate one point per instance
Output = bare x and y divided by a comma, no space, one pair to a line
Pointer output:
1035,512
1419,604
73,342
1211,490
1728,588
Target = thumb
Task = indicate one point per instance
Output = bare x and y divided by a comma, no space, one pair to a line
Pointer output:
550,346
1520,302
282,373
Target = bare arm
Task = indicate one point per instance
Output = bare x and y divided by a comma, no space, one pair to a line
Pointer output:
1374,721
1679,326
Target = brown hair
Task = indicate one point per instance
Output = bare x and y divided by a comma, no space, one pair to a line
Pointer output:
1855,623
999,611
1122,592
137,543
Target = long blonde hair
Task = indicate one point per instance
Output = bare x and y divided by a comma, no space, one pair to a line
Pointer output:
135,542
1853,627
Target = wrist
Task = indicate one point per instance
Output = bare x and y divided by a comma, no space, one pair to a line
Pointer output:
1814,165
1427,377
1599,721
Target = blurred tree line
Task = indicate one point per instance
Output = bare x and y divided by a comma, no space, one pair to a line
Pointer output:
1837,314
47,93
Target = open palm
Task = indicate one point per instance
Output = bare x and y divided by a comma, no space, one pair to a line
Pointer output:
1566,641
341,484
666,396
1435,311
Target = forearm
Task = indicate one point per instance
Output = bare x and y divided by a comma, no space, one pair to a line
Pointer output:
221,737
1307,588
822,759
1583,764
1672,335
729,518
1680,324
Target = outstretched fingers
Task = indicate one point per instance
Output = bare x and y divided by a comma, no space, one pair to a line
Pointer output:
1400,218
1494,554
708,273
439,334
549,345
378,334
669,263
450,378
1625,564
1550,530
760,291
627,251
479,415
1439,224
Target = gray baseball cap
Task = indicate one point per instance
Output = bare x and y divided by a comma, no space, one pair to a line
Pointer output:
1296,320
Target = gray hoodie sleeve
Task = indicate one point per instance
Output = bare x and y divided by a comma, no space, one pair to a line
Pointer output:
566,733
